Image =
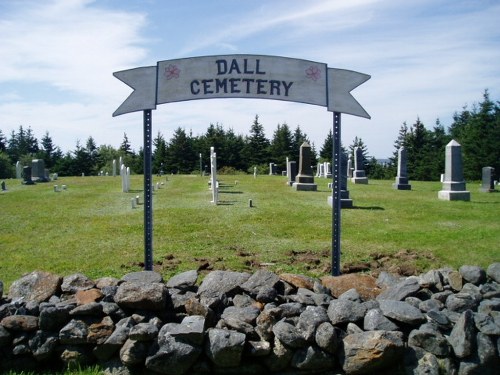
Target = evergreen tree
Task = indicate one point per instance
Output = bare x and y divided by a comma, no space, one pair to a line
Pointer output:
3,142
233,150
159,154
48,152
281,145
181,155
6,167
93,154
256,150
298,138
22,144
326,152
107,154
125,147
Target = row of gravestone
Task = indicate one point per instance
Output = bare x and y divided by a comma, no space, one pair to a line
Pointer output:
443,321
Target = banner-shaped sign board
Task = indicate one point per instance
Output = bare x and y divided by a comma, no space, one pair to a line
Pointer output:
242,76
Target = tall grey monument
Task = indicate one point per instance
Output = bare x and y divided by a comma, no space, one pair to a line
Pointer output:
454,184
359,176
402,177
305,178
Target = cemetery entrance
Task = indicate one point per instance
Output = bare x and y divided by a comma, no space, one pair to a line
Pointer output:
241,76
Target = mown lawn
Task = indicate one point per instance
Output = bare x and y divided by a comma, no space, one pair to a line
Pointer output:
92,228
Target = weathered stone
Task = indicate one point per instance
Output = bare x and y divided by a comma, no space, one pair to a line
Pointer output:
89,309
224,348
430,304
87,296
76,282
304,297
398,292
265,323
473,274
463,335
439,318
266,295
298,281
486,324
375,320
174,357
258,348
107,281
493,271
23,323
487,306
183,281
442,296
486,353
37,286
312,358
75,332
76,357
432,279
365,285
414,301
142,296
43,344
243,300
113,343
401,312
291,309
460,302
133,352
191,330
351,295
419,362
54,317
430,340
353,328
328,337
260,279
309,320
99,332
222,282
455,280
386,279
289,335
143,277
344,311
246,314
143,332
372,351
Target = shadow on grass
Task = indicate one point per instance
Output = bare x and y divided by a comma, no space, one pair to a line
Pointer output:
226,203
229,192
374,208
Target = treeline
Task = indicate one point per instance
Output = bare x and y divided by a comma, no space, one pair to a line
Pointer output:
476,129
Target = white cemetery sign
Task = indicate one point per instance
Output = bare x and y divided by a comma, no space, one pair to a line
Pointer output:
242,76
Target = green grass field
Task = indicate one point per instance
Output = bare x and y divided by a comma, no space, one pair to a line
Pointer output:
92,228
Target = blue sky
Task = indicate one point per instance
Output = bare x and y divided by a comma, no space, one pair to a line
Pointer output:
427,59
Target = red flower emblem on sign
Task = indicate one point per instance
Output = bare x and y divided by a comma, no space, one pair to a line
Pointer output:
313,73
172,71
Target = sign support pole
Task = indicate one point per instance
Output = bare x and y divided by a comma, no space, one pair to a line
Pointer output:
148,193
336,199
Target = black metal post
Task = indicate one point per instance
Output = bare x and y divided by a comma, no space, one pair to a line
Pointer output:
336,198
148,192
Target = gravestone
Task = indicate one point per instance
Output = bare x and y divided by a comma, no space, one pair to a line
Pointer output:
38,171
272,169
488,180
114,167
321,170
359,176
120,163
19,170
292,172
328,170
349,167
402,177
27,176
4,188
453,188
213,170
305,178
254,172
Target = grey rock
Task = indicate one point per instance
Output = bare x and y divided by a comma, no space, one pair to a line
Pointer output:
493,272
455,281
20,323
174,357
237,325
89,309
133,352
352,329
113,343
54,317
289,335
309,320
76,356
260,279
345,311
439,318
486,351
76,282
291,309
265,323
443,296
486,324
266,295
179,299
142,277
488,305
312,358
304,296
37,286
473,274
322,299
224,348
258,348
5,337
351,295
191,330
431,341
432,279
246,314
401,312
218,283
372,351
43,345
183,281
75,332
243,300
414,301
399,291
133,295
430,304
375,320
328,337
386,280
143,332
463,335
460,302
425,364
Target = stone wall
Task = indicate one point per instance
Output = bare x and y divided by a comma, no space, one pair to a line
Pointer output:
441,322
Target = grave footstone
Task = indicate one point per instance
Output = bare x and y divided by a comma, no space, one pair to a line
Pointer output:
402,177
453,188
292,172
488,180
359,176
305,177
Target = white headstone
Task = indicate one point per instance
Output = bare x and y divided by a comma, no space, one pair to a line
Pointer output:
114,167
19,170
